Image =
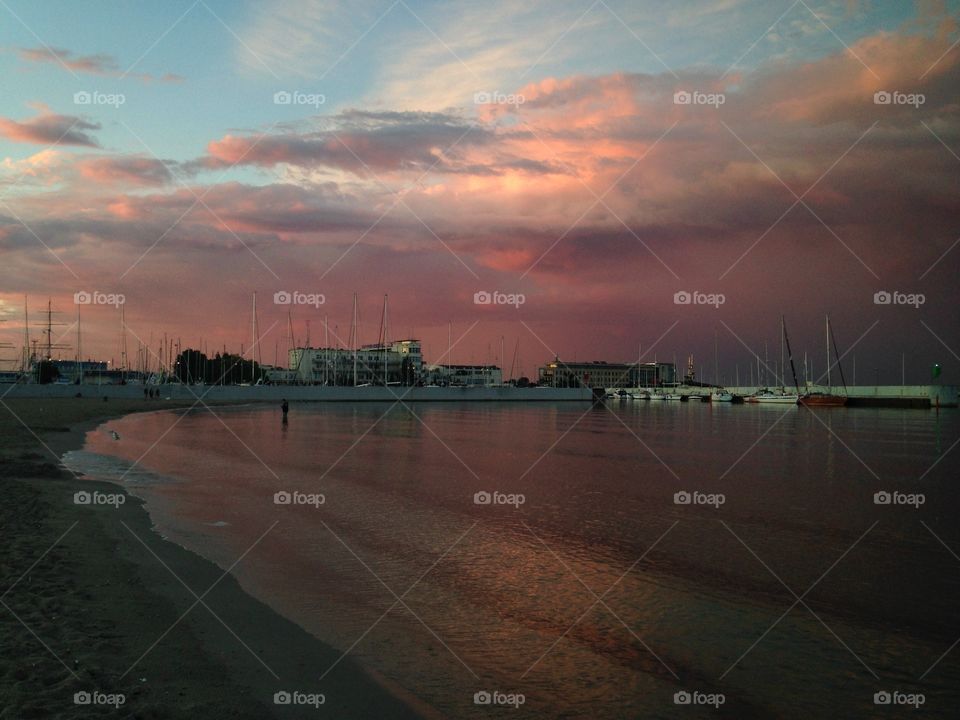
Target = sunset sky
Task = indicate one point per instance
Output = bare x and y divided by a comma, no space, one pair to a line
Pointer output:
434,150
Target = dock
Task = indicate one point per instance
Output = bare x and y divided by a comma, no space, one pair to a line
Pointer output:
895,396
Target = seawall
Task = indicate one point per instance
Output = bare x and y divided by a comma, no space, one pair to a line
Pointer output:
305,393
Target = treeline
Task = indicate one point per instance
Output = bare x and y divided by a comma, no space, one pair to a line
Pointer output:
192,366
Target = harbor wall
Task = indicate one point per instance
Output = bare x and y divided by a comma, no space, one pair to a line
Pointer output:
304,393
887,395
906,396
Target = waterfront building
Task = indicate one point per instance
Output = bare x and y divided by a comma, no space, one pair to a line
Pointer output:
396,363
602,374
464,375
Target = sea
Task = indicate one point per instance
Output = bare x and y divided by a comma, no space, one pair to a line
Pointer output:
573,560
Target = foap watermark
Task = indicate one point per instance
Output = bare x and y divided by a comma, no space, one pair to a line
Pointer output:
684,497
99,698
895,497
295,297
696,97
895,97
295,97
682,297
298,498
685,697
885,697
498,98
495,297
496,697
83,497
98,298
498,498
295,697
895,297
95,97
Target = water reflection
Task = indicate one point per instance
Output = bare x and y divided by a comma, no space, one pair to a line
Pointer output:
512,590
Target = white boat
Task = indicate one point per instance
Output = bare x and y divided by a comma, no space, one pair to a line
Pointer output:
721,396
771,397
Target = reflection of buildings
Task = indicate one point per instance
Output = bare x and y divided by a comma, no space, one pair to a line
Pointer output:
607,375
470,375
399,362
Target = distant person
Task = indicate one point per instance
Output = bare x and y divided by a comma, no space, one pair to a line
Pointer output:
285,407
147,392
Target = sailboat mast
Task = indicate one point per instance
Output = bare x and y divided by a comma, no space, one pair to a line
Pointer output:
716,360
26,337
766,363
829,384
123,340
383,339
782,376
501,359
354,333
255,351
79,371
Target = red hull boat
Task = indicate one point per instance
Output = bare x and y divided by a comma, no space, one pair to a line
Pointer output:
827,399
823,400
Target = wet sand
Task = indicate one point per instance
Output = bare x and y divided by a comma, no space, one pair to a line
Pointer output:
92,600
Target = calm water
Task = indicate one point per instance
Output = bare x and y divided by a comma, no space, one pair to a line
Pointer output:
599,596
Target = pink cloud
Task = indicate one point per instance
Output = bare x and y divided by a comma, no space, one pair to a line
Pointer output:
48,128
522,187
98,64
141,171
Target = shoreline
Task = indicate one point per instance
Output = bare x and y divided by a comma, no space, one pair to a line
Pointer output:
110,589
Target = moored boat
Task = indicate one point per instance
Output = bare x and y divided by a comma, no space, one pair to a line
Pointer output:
821,399
828,398
775,398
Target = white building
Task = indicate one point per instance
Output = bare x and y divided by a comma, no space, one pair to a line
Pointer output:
470,375
399,362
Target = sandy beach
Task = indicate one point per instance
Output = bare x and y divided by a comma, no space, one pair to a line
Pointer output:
93,602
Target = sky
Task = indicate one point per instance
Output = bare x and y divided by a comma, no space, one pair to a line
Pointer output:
588,165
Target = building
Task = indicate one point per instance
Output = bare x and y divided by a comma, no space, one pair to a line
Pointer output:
69,368
278,375
468,375
396,363
607,375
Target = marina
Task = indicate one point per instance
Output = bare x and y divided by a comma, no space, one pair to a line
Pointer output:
471,361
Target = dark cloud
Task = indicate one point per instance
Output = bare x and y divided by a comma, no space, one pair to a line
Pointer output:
97,64
48,128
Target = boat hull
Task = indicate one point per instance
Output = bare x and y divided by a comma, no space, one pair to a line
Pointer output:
773,399
823,401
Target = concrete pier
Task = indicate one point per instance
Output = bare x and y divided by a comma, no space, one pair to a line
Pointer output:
885,395
304,393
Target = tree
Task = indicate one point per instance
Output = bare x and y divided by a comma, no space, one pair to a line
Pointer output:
47,372
191,366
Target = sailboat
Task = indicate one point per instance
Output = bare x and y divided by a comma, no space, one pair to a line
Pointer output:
778,396
719,393
828,398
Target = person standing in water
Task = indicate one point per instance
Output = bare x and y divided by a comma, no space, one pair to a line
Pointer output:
285,407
